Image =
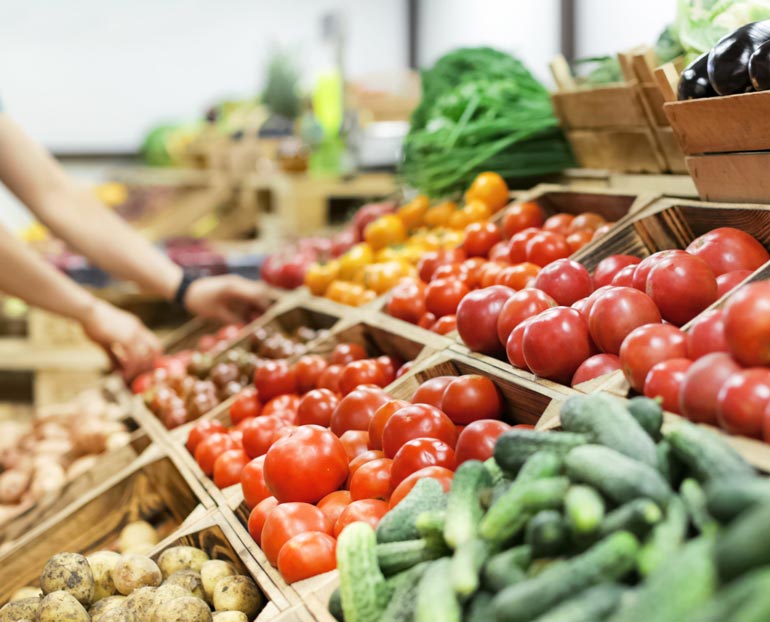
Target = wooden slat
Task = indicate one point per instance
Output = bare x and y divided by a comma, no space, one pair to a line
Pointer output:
613,106
732,177
631,149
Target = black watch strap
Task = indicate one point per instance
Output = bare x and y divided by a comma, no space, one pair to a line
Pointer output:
181,290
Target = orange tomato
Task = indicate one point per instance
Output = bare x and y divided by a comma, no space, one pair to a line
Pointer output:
412,213
520,216
474,211
385,231
439,215
487,273
381,277
578,239
320,275
518,275
490,188
586,220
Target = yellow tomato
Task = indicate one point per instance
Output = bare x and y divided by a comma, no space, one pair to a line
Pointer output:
414,252
489,188
474,211
381,277
439,215
413,212
349,293
320,275
384,231
452,239
354,260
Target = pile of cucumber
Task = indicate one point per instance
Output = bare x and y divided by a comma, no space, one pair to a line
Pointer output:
608,520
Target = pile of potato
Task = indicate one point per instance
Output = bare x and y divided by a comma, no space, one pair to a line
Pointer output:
185,585
38,458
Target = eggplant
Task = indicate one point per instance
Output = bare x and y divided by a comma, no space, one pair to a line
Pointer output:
694,81
728,61
759,67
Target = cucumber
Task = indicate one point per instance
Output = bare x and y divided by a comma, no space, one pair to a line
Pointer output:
514,447
584,508
364,594
544,463
506,568
464,511
511,511
607,422
744,545
669,465
494,493
430,524
677,589
335,605
436,599
706,454
729,498
666,538
608,560
495,472
467,561
637,516
547,534
648,414
590,605
399,523
395,557
727,601
695,502
480,608
615,475
401,605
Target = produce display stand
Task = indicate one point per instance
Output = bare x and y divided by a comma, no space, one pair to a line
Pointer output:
670,185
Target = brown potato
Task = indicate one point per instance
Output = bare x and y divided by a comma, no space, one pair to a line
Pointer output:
116,614
230,616
185,609
167,592
181,558
102,564
26,592
140,604
189,580
20,609
71,573
212,571
14,483
137,533
49,478
104,605
238,593
135,571
61,606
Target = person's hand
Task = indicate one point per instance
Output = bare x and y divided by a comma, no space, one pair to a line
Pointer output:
132,348
229,299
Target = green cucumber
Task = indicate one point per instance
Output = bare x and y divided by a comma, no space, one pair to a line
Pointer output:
395,557
431,524
510,512
590,605
666,537
695,502
706,454
335,605
399,523
506,568
744,545
401,605
480,608
515,447
547,534
464,511
364,592
668,464
495,472
617,476
608,560
467,562
606,420
729,498
544,463
584,508
436,598
648,414
727,601
637,516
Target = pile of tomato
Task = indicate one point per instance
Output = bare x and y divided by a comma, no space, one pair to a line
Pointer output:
511,254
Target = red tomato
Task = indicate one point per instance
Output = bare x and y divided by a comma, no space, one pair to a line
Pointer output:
442,475
647,345
372,480
480,237
747,324
389,367
586,221
433,259
307,555
258,435
416,421
585,305
514,347
443,295
426,321
730,280
228,467
472,397
473,265
206,343
418,454
286,521
452,271
201,430
406,301
282,433
308,370
565,281
356,409
701,385
707,334
579,239
477,440
330,378
355,442
648,263
284,407
316,407
431,392
246,405
521,216
664,380
210,448
141,383
522,305
258,517
546,247
555,343
253,482
607,268
559,223
517,249
333,504
616,313
682,286
603,230
742,401
727,249
625,277
518,276
477,318
274,377
490,272
360,372
499,252
595,366
380,418
445,325
345,353
368,511
306,465
404,369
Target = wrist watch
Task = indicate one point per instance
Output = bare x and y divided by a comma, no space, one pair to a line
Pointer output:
181,290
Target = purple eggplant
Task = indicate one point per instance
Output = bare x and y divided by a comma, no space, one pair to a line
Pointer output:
694,81
759,67
728,61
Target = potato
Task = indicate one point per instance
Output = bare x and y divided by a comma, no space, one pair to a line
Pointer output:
134,571
143,549
26,592
13,484
117,440
137,533
116,614
71,573
61,606
189,580
230,616
185,609
102,563
49,478
212,571
167,592
238,593
181,558
106,604
19,609
140,604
